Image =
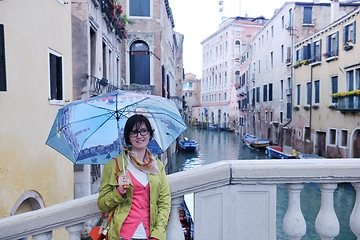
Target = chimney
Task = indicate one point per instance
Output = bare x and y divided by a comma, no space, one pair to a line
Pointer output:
334,5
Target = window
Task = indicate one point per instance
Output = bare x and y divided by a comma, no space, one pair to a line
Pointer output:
334,87
259,66
298,55
316,51
317,91
272,31
281,90
270,92
307,134
290,18
190,85
281,117
332,136
265,93
308,93
350,80
237,48
282,53
237,77
140,64
344,136
258,94
332,44
56,77
253,97
139,8
266,116
272,59
282,22
298,94
306,51
349,33
307,15
2,60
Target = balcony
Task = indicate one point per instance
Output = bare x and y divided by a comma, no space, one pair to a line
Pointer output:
99,86
112,15
232,200
331,55
347,101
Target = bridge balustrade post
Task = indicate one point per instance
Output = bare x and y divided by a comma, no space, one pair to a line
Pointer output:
326,223
43,236
174,229
75,231
355,214
294,224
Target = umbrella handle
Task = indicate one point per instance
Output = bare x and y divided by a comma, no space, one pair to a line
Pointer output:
125,187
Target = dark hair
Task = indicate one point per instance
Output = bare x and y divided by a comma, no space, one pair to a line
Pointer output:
136,120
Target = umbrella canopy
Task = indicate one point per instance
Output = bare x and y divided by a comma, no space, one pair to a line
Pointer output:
90,131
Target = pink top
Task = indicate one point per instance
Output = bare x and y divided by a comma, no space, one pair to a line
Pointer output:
139,212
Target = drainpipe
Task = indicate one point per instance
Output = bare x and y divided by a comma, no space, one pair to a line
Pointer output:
291,77
311,93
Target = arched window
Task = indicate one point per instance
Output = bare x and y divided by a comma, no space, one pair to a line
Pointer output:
237,48
237,77
27,202
139,63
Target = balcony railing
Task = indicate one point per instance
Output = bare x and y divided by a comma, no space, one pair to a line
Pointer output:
349,101
232,200
99,86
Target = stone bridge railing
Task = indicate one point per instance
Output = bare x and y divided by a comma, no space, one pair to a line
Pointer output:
232,200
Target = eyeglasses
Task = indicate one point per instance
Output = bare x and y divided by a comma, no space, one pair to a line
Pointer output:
143,132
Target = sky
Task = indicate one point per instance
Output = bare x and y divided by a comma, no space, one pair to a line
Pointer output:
198,19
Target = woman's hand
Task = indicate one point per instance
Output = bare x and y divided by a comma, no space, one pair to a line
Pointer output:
123,182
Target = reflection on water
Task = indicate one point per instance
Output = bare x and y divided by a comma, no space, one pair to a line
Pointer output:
219,145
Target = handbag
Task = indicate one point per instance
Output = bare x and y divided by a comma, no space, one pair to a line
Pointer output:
100,232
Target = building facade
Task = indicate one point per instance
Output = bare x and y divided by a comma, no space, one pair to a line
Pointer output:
151,49
35,81
271,85
327,91
191,97
220,69
98,32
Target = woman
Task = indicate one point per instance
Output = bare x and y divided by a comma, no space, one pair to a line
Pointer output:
141,196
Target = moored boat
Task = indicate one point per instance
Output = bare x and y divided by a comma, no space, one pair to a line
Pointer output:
278,152
188,145
254,142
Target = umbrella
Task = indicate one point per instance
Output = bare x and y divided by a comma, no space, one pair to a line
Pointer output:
90,131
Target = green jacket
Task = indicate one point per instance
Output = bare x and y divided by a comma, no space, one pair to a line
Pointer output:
109,198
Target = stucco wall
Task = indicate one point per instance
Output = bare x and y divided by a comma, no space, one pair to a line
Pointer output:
31,29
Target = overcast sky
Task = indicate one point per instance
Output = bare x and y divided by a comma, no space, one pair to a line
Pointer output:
198,19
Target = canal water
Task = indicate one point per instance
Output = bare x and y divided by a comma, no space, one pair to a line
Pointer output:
220,145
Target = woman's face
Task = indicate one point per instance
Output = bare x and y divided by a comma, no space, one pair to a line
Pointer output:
139,138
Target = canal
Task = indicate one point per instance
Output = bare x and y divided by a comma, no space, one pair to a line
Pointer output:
220,145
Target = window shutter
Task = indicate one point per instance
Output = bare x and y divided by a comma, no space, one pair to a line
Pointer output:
345,30
328,44
2,60
354,32
312,50
319,50
337,44
289,109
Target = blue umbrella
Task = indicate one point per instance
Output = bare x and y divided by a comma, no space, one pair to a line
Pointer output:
90,131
